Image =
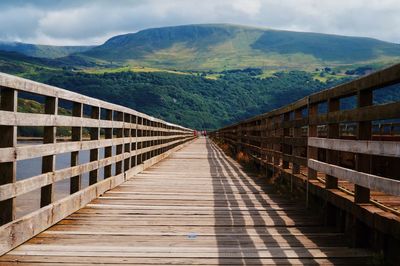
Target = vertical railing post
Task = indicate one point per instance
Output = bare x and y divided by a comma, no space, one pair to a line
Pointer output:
127,134
139,143
76,183
49,161
263,143
158,137
94,153
268,145
165,134
8,138
277,145
296,150
145,142
152,141
364,132
269,135
285,147
312,152
134,144
108,134
332,157
119,148
238,139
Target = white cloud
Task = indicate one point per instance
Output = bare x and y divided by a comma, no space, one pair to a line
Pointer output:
19,23
250,8
93,21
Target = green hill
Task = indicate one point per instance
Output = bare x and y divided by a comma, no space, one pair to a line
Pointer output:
44,51
223,46
207,76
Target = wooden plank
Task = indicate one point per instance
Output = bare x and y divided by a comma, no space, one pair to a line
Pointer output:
367,113
381,148
32,119
70,260
126,251
387,185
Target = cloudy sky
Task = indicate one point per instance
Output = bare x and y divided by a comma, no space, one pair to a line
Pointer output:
71,22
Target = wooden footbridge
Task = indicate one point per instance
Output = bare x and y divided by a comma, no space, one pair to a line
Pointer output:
324,186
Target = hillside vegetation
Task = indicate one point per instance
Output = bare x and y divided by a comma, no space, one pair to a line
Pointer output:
191,100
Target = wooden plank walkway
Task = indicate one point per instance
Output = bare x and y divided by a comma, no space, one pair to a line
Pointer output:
195,207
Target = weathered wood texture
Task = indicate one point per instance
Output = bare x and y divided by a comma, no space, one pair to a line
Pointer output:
130,133
197,207
339,137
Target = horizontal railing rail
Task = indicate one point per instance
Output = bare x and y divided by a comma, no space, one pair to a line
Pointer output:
120,142
348,133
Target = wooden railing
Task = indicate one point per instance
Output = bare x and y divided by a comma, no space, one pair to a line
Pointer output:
131,142
357,142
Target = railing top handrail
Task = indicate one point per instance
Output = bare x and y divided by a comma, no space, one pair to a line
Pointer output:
34,87
381,78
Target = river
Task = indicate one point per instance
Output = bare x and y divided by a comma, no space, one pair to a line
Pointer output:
28,168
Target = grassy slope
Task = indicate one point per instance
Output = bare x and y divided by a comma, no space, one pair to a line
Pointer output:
218,47
98,70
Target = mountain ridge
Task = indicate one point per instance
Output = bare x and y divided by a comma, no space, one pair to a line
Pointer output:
228,46
42,50
218,47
